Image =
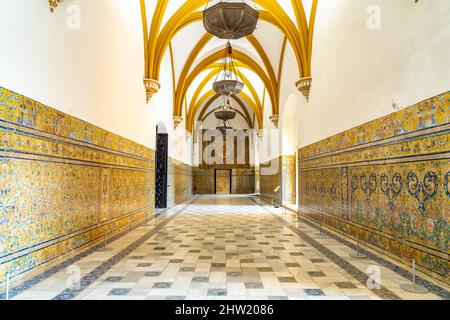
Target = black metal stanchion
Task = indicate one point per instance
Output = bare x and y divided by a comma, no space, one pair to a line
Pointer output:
104,248
7,287
321,234
414,287
276,198
358,254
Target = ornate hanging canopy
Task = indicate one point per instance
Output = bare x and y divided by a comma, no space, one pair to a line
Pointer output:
227,80
230,19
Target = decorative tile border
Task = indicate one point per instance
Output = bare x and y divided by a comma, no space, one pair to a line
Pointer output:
99,271
389,187
64,183
430,113
284,176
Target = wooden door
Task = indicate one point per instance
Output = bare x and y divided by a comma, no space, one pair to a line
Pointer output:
223,182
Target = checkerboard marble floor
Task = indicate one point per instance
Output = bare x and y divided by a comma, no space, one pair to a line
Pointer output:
223,247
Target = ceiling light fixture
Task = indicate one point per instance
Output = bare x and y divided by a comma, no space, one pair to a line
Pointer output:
225,114
227,80
228,19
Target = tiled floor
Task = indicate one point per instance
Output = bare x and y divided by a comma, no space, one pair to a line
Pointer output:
224,247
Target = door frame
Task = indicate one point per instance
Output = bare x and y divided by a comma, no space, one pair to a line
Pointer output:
231,179
164,205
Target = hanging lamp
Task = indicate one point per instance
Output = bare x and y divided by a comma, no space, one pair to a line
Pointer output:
225,115
227,81
230,19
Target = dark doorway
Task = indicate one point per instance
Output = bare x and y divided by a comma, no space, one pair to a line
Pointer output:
162,143
222,182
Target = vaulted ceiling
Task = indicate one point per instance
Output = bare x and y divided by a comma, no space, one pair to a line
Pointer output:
175,27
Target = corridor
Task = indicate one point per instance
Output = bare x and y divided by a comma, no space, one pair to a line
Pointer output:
224,247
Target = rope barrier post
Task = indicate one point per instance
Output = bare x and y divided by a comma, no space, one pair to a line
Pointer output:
358,254
276,199
105,248
7,286
321,234
414,287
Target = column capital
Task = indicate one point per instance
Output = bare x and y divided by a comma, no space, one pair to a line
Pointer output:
151,87
275,118
304,86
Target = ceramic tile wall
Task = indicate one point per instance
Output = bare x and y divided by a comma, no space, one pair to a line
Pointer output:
64,184
387,182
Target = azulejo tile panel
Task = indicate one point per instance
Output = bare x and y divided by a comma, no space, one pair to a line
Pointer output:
278,172
389,189
242,180
430,113
179,181
64,183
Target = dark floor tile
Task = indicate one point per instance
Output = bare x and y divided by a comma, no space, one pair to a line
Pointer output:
314,292
152,274
137,257
345,285
200,279
292,265
264,269
318,261
254,285
234,274
162,285
273,257
144,265
218,265
119,292
287,279
247,260
316,274
113,279
296,254
176,261
187,269
217,292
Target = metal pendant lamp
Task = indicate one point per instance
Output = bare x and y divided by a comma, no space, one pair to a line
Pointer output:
227,81
230,19
225,115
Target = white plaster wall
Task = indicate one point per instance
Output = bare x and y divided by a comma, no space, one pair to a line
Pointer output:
358,73
290,104
94,73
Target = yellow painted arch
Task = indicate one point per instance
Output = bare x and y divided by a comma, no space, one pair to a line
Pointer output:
275,14
192,112
215,69
244,113
242,58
